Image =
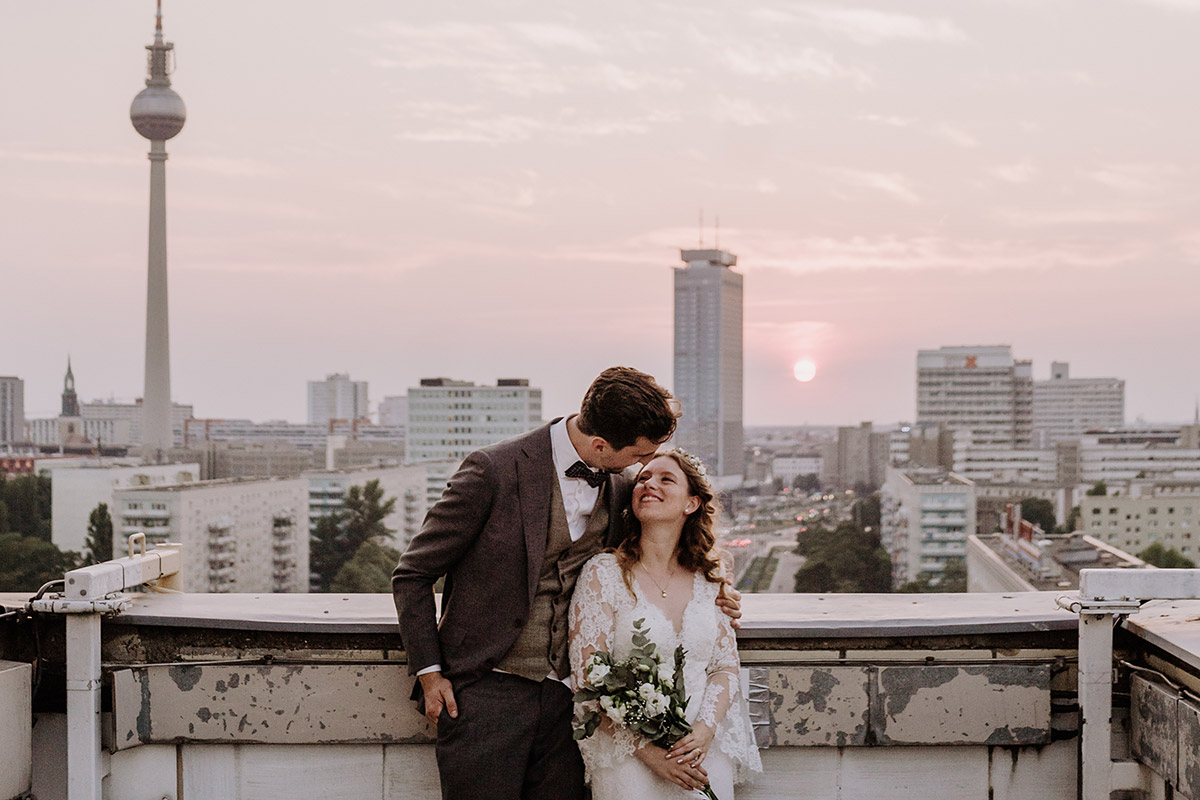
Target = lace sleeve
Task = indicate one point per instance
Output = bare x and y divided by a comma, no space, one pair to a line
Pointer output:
592,618
723,707
592,621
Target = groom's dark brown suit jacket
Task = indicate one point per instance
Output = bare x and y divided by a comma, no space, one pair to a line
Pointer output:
487,535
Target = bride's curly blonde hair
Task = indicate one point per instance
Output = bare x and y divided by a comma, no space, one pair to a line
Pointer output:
697,551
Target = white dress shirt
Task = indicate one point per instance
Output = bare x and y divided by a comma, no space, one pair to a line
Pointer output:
578,497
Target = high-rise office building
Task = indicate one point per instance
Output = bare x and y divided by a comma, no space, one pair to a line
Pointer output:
336,397
12,410
449,419
708,362
1066,407
981,394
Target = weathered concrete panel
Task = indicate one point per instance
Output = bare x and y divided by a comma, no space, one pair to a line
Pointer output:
143,772
209,771
1154,726
992,704
410,773
809,773
321,704
1189,749
1049,772
903,773
819,706
313,772
16,734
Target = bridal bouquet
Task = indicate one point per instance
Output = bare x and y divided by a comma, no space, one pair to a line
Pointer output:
641,693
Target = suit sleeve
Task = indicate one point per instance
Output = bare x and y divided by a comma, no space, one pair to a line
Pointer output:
450,529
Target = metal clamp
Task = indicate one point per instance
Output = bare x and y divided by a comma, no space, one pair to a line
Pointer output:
136,539
56,604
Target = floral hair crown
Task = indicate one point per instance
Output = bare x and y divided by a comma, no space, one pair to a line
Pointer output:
693,462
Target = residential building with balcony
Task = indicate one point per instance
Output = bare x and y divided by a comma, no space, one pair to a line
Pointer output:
927,516
250,535
1066,408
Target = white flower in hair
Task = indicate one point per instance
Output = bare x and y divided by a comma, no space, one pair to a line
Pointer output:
693,462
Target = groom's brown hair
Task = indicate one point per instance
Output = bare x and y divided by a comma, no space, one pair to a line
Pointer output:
623,405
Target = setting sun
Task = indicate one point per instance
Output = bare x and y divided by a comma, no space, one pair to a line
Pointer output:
805,370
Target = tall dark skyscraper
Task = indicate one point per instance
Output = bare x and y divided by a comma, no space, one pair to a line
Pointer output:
708,362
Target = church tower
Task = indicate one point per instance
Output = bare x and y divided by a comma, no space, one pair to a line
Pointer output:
70,400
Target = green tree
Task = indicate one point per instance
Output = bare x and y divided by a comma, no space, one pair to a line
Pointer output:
848,559
952,579
806,483
338,536
370,570
99,544
867,511
27,562
1040,512
1072,523
1166,557
1099,489
28,501
4,524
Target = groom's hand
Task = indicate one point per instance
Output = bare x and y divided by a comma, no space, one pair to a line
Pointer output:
439,694
730,601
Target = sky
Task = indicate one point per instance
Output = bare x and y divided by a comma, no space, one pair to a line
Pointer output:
479,190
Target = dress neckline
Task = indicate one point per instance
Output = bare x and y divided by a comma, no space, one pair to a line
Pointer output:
642,598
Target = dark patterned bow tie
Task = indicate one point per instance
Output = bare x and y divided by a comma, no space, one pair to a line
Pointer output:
582,471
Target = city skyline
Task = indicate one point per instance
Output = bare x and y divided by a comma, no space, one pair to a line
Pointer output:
496,190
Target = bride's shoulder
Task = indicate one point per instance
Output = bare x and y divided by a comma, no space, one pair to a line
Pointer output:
602,562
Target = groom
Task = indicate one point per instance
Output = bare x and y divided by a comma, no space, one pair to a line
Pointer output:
510,534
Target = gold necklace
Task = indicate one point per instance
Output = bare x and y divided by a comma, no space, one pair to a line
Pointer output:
661,590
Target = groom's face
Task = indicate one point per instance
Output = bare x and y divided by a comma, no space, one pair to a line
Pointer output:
641,451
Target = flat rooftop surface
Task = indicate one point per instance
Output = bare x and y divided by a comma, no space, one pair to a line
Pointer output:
764,615
1173,625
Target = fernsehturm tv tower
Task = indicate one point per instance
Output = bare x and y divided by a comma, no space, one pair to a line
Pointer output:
158,114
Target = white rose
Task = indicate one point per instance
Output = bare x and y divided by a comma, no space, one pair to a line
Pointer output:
646,691
666,674
597,672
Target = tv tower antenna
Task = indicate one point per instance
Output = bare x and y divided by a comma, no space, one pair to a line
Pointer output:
157,114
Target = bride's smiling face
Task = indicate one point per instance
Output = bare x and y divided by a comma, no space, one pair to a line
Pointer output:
661,493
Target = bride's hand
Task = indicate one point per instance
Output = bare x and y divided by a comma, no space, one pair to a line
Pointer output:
688,776
692,748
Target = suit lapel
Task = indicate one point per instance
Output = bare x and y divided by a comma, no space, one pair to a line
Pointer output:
535,476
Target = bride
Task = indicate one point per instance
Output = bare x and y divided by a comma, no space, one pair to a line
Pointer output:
666,572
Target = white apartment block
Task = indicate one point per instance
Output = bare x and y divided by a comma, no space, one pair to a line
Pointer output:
708,362
448,419
126,418
304,436
980,390
1135,523
77,486
12,410
416,487
928,514
787,468
53,431
236,535
1133,454
1066,407
1003,464
393,410
336,397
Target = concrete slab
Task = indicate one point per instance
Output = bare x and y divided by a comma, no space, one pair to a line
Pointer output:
818,706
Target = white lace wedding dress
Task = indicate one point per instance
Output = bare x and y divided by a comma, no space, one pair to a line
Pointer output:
601,618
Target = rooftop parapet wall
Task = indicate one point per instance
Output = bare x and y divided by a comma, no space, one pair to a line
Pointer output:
241,696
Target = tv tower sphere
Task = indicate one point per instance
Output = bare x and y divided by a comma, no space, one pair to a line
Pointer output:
158,112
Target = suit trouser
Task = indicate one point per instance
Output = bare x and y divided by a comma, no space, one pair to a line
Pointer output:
511,741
